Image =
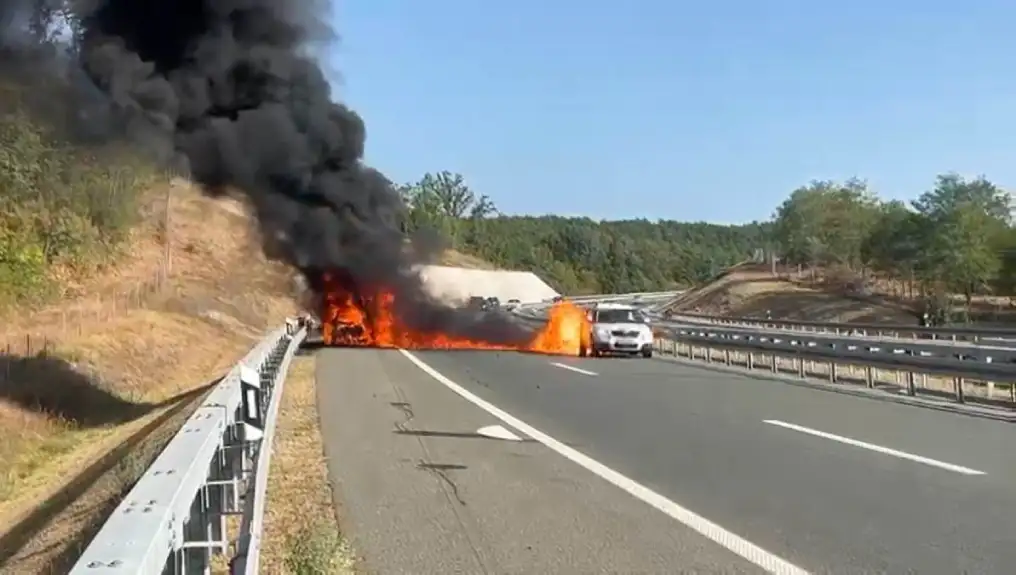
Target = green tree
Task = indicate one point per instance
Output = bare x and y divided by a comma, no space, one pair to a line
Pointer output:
826,222
965,221
894,243
440,201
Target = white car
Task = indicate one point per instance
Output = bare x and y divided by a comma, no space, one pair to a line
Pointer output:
619,328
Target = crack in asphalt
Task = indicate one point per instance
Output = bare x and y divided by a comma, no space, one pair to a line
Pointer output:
437,469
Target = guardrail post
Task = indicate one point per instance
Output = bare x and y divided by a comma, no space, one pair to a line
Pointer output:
869,376
958,381
776,365
832,372
911,384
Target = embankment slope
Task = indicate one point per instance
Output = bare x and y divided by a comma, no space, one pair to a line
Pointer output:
751,290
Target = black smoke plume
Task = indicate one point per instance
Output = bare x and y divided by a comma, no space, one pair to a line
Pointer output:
230,90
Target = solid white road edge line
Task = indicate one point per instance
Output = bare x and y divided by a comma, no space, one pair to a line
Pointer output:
746,549
876,448
573,368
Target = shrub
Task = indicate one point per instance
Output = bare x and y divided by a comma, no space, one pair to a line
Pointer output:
60,203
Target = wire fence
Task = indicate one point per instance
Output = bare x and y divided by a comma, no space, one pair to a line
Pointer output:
52,326
57,323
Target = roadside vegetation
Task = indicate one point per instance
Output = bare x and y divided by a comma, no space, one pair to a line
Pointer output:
955,238
578,255
110,269
65,211
953,241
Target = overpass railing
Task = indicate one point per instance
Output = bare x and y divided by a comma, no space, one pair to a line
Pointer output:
174,519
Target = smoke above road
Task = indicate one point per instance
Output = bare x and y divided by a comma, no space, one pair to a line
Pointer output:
231,91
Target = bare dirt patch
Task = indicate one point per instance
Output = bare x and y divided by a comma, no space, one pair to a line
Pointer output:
753,290
302,534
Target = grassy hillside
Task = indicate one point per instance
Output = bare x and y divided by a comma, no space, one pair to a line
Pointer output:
109,272
751,290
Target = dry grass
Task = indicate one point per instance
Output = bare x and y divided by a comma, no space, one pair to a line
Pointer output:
461,260
114,372
49,539
123,354
751,291
302,535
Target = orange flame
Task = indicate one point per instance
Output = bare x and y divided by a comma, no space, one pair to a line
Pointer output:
352,318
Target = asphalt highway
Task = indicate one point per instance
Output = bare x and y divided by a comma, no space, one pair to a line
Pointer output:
713,472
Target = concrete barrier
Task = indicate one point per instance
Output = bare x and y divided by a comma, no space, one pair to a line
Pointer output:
459,284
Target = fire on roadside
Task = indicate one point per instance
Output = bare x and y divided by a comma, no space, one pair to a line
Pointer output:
353,317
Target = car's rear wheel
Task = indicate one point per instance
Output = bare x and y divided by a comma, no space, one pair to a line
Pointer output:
647,353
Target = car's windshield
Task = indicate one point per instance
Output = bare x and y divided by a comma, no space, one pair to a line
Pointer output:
617,316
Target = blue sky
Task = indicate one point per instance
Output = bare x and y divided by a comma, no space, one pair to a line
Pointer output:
680,110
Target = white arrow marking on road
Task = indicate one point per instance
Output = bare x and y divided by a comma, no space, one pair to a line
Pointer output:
497,432
572,368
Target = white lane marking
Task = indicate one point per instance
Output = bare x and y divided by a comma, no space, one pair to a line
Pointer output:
498,432
876,448
573,368
764,559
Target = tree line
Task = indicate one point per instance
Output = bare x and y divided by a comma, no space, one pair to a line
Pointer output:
956,237
579,255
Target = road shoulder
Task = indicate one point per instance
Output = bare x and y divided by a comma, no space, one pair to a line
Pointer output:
301,531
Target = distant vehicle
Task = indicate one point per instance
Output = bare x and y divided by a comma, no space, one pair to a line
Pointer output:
476,302
493,304
512,304
617,329
558,298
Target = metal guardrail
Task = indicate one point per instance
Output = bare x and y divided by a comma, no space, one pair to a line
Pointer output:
216,466
972,333
984,365
649,295
533,309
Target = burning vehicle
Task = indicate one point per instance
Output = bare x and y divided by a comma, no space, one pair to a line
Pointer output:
357,315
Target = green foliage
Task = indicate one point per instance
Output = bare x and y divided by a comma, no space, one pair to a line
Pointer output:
579,255
318,549
59,204
955,238
826,222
